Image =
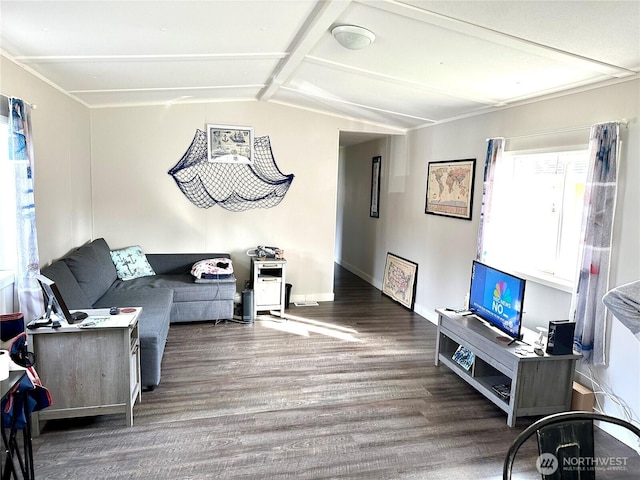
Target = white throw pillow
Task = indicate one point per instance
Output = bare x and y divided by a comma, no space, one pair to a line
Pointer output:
131,262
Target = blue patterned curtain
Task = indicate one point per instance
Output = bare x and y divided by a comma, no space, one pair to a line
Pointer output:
495,147
592,282
21,155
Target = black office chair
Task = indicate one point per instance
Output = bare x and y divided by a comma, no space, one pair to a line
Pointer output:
565,445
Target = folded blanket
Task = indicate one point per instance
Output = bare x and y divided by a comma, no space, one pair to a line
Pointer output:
212,268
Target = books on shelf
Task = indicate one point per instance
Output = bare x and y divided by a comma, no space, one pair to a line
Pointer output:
464,357
503,390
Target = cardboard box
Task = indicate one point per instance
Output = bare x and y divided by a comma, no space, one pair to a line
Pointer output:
583,399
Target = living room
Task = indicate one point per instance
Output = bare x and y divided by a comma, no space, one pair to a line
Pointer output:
102,172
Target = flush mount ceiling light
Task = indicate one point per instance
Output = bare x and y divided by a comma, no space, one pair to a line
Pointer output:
352,36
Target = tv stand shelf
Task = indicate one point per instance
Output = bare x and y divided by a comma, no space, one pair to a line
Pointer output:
539,385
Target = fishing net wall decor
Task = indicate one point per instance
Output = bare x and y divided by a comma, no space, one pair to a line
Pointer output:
236,187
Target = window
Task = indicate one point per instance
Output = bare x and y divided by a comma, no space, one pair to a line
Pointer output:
8,202
536,213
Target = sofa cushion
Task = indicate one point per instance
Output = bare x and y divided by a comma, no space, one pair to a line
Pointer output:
184,288
131,262
178,263
153,324
72,294
156,308
93,268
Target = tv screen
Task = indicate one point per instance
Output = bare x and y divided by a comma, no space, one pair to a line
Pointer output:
497,298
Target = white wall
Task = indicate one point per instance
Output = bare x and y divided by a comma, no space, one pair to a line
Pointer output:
61,131
137,202
444,247
103,173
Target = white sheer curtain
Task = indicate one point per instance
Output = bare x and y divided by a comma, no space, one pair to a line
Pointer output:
495,147
21,155
587,308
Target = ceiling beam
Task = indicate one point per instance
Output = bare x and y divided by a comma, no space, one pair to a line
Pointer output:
322,17
150,58
335,100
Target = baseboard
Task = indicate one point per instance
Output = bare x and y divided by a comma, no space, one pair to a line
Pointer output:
363,275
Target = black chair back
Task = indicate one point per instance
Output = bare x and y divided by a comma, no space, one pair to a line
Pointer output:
566,445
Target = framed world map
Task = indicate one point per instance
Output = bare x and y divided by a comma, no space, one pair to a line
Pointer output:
450,188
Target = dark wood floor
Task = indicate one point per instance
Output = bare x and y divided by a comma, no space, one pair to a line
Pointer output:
346,389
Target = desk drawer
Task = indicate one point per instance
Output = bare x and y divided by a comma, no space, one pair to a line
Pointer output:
267,290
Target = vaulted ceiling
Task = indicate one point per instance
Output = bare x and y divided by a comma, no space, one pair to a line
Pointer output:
431,61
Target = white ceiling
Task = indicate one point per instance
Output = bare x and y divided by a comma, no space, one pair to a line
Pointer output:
431,60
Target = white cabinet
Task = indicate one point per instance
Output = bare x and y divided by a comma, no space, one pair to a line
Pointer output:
268,283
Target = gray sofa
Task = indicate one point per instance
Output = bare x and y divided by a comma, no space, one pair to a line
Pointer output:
87,279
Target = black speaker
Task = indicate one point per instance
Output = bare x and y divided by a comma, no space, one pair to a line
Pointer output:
247,305
560,340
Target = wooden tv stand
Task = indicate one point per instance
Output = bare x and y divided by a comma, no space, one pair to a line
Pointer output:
540,385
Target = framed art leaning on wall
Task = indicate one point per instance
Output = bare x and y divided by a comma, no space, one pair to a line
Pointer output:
399,280
450,188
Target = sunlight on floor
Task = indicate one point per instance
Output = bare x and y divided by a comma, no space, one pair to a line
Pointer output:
306,326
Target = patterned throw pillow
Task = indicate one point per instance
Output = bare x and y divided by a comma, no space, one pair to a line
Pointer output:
131,262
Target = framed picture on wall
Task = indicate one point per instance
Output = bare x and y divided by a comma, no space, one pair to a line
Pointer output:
229,144
376,163
450,188
399,280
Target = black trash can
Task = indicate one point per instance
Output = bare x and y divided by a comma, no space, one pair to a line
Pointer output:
287,294
247,306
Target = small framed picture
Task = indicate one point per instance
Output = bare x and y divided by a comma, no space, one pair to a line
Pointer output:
374,210
399,280
229,144
450,188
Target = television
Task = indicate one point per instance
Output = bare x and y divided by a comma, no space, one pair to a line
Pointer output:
497,297
53,301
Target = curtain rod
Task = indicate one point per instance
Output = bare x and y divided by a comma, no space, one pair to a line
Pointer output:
32,105
622,123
